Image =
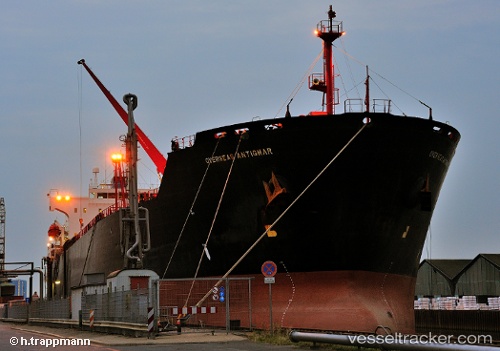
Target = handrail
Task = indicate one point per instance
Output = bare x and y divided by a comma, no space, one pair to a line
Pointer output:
103,214
358,105
323,26
182,143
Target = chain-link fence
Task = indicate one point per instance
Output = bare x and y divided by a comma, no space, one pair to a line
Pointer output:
206,303
119,306
199,304
51,309
17,310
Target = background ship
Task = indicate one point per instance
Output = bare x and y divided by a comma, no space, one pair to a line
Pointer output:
341,202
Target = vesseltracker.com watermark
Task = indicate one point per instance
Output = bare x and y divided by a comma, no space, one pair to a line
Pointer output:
421,339
54,342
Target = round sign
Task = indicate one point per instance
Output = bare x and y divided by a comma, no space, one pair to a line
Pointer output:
269,269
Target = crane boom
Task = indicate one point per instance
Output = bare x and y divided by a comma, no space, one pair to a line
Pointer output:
156,156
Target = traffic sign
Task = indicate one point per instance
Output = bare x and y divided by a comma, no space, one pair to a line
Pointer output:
269,280
269,269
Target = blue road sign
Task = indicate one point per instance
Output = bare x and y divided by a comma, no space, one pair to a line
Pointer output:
269,269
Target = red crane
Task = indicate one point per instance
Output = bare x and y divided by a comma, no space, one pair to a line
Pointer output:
156,156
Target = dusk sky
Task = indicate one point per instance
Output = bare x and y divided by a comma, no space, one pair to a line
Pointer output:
196,65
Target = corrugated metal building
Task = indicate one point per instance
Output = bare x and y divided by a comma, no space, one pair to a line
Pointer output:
438,277
476,282
481,277
477,277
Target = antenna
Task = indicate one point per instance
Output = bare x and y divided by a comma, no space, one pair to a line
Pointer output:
367,94
95,170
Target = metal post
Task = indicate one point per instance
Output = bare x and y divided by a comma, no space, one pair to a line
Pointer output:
228,314
157,304
271,308
250,302
41,278
31,282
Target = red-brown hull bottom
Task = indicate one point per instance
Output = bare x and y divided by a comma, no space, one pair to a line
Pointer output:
355,301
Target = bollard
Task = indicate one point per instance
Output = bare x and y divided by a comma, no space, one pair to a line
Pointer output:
91,320
178,324
151,321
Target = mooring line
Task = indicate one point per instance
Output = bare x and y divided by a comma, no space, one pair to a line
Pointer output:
198,304
205,249
190,213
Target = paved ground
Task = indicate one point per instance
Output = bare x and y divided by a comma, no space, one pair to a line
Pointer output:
186,336
15,337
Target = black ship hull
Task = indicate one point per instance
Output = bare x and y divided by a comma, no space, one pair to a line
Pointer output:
350,223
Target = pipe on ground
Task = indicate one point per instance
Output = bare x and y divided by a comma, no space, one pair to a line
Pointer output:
392,342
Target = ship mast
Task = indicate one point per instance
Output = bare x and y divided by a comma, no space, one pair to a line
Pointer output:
367,93
328,30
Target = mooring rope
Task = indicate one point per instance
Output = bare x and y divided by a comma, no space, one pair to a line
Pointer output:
190,212
215,217
198,304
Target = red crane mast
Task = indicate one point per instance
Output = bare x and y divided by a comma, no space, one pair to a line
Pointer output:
154,154
328,30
